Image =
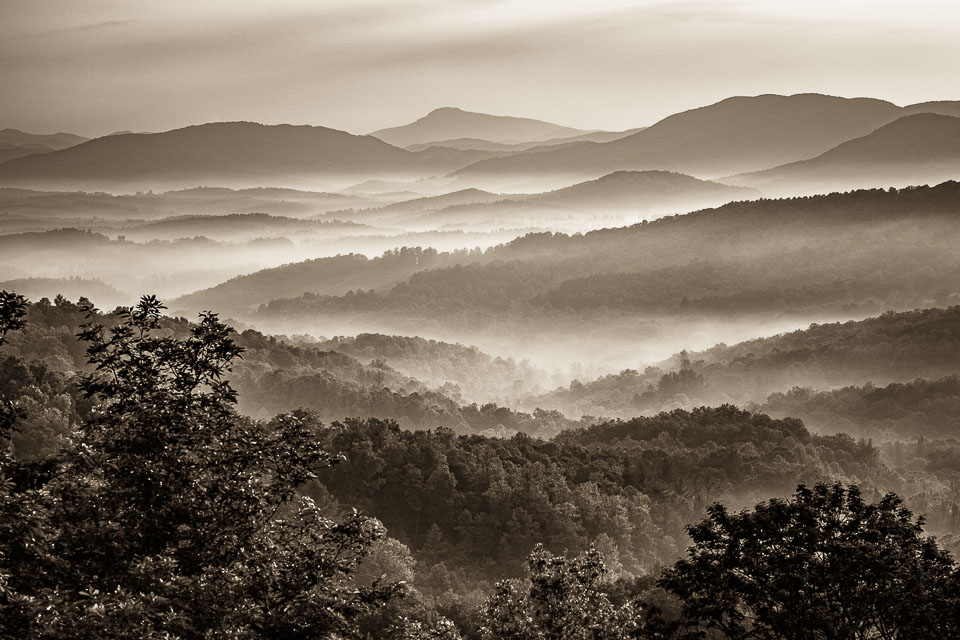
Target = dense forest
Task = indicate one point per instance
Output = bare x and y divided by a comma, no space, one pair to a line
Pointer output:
475,374
920,408
335,379
456,513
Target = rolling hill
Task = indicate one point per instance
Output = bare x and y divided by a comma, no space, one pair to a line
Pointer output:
226,154
72,288
732,136
641,188
52,141
18,144
336,275
430,203
8,152
614,198
918,149
889,348
486,145
941,107
839,255
449,123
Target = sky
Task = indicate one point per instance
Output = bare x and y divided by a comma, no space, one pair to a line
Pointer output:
93,67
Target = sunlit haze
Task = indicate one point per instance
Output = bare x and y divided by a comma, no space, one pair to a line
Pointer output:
95,67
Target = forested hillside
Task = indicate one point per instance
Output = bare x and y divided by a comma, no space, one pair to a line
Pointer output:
336,275
633,295
334,379
917,409
465,510
892,347
866,249
476,375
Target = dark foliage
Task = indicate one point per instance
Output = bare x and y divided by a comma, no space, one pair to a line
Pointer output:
824,564
171,516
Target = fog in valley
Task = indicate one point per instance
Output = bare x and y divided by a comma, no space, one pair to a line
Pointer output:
482,321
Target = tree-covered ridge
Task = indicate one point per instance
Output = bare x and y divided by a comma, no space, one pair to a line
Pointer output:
869,250
891,347
274,375
477,376
924,408
479,504
338,274
823,563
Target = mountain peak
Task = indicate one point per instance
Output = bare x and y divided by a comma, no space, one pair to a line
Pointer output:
453,123
441,110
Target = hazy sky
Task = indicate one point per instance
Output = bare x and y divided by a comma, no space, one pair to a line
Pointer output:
97,66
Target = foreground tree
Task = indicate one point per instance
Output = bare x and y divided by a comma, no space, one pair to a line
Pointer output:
824,564
561,599
170,515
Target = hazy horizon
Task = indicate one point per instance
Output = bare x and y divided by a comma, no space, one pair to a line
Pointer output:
362,66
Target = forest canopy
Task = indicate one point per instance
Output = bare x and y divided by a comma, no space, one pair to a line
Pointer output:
162,511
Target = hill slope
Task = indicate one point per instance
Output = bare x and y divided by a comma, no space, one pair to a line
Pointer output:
840,255
616,199
942,107
450,123
732,136
486,145
455,198
330,276
890,348
226,154
915,149
639,188
17,138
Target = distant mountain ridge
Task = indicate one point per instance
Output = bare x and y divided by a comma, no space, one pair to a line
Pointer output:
641,194
732,136
17,138
453,147
633,188
940,107
18,144
487,145
918,148
450,123
226,154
